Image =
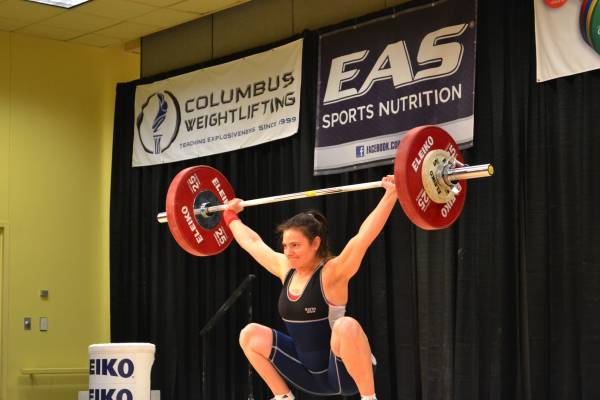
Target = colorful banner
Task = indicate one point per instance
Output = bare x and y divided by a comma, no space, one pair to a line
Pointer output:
561,49
381,78
242,103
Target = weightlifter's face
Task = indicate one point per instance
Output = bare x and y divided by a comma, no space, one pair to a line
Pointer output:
299,250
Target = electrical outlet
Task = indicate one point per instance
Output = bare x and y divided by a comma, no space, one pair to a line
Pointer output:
27,323
43,324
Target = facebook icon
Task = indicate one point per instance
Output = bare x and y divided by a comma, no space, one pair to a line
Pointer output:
360,151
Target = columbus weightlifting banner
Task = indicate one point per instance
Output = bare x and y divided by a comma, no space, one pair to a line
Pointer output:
379,79
222,108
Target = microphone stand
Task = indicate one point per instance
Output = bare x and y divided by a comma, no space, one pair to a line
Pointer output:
213,321
250,386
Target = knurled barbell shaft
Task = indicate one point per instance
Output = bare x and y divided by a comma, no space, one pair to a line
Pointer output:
453,174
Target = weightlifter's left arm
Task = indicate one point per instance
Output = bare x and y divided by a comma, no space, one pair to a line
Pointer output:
347,263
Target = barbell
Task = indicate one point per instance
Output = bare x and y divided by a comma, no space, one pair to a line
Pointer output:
429,174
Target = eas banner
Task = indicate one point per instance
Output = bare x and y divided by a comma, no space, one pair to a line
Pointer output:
242,103
379,79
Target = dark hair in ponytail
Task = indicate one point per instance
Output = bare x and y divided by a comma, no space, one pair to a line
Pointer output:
312,224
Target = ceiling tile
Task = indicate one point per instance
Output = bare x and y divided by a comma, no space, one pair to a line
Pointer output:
157,3
128,30
26,11
165,18
206,6
10,24
96,40
105,21
80,21
119,9
50,32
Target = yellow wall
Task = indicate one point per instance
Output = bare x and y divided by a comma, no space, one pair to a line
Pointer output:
4,121
56,121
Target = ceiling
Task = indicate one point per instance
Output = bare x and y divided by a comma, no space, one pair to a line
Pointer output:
103,23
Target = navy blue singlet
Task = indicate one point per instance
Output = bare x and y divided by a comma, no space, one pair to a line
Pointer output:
304,357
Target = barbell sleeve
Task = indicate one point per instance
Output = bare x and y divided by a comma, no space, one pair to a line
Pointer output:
452,174
470,172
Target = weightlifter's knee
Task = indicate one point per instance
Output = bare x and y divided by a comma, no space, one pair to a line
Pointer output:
256,338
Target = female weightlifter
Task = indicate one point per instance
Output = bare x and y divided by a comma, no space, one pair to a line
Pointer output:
324,352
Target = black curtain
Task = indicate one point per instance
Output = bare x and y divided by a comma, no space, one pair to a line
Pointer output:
505,304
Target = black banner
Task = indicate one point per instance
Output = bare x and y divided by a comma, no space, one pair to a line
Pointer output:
379,79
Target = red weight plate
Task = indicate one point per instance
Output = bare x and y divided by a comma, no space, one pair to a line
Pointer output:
417,205
193,237
555,3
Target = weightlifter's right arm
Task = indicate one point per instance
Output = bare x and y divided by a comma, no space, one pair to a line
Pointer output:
274,262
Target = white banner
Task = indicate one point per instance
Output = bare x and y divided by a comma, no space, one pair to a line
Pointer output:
242,103
560,49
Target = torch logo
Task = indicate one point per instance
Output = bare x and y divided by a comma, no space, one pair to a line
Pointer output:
158,122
